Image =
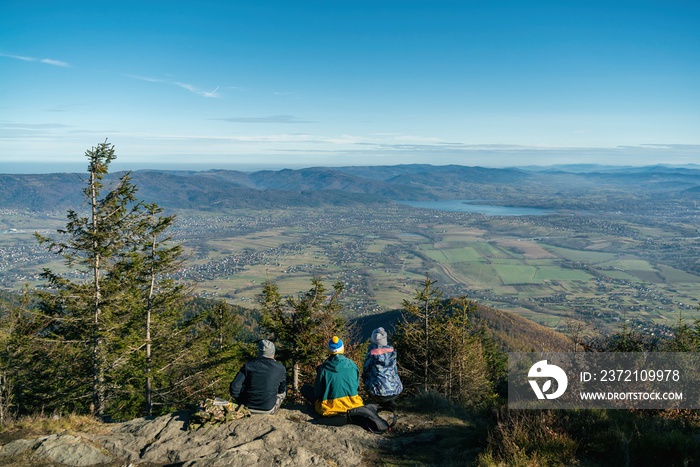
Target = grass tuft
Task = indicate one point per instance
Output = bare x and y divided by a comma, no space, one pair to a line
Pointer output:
40,425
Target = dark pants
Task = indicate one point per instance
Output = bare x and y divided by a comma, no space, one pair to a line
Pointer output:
278,404
308,393
385,401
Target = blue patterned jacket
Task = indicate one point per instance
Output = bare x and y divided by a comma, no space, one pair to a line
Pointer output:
380,372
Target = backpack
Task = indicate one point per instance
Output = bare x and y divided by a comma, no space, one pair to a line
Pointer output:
368,418
215,411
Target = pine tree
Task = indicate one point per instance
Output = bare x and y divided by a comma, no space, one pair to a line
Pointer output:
11,364
200,357
28,342
417,331
122,336
302,325
155,307
109,252
223,345
440,349
467,374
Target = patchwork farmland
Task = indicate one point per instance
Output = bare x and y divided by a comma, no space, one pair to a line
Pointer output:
537,266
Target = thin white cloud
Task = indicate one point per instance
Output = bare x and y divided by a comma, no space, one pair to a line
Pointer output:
200,92
32,126
269,119
15,131
212,93
18,57
47,61
277,138
147,79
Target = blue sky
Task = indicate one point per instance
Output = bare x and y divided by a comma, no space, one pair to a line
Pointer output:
271,84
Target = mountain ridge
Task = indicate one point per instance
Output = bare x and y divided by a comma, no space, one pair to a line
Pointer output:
316,186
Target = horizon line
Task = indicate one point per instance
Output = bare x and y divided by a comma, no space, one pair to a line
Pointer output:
74,167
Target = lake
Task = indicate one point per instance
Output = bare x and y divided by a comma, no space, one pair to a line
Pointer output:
465,205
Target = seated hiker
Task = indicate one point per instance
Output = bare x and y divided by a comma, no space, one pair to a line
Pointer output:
261,384
380,372
337,385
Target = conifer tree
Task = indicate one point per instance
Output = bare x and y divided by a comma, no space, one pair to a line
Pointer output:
222,345
27,343
159,260
467,371
685,338
417,331
200,356
301,326
155,303
440,349
111,249
11,363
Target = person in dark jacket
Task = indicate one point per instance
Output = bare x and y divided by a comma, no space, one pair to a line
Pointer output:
380,372
261,384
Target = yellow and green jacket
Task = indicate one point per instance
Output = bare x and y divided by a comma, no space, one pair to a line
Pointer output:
337,386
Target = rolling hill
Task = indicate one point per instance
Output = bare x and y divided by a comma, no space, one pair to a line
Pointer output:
214,189
510,332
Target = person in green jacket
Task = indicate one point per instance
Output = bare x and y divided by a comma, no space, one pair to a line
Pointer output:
337,385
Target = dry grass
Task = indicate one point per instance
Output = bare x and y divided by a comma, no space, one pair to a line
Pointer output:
529,438
592,438
39,425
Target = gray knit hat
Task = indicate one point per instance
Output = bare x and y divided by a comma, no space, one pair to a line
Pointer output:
379,337
266,349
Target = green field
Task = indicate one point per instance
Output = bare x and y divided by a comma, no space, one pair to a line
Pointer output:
516,274
584,256
556,273
628,265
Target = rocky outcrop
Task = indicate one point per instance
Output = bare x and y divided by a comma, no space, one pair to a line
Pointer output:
64,449
291,437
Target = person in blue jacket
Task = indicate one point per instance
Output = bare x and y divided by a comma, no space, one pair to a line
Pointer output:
380,372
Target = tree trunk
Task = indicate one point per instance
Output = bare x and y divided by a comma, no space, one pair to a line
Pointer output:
98,390
149,305
451,370
4,399
149,389
426,360
295,376
149,401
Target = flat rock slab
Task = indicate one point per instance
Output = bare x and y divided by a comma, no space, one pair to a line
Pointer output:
63,449
291,437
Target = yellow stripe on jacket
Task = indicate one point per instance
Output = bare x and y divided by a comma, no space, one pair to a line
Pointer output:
338,406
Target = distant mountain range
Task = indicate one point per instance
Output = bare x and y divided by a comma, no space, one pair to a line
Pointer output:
217,189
